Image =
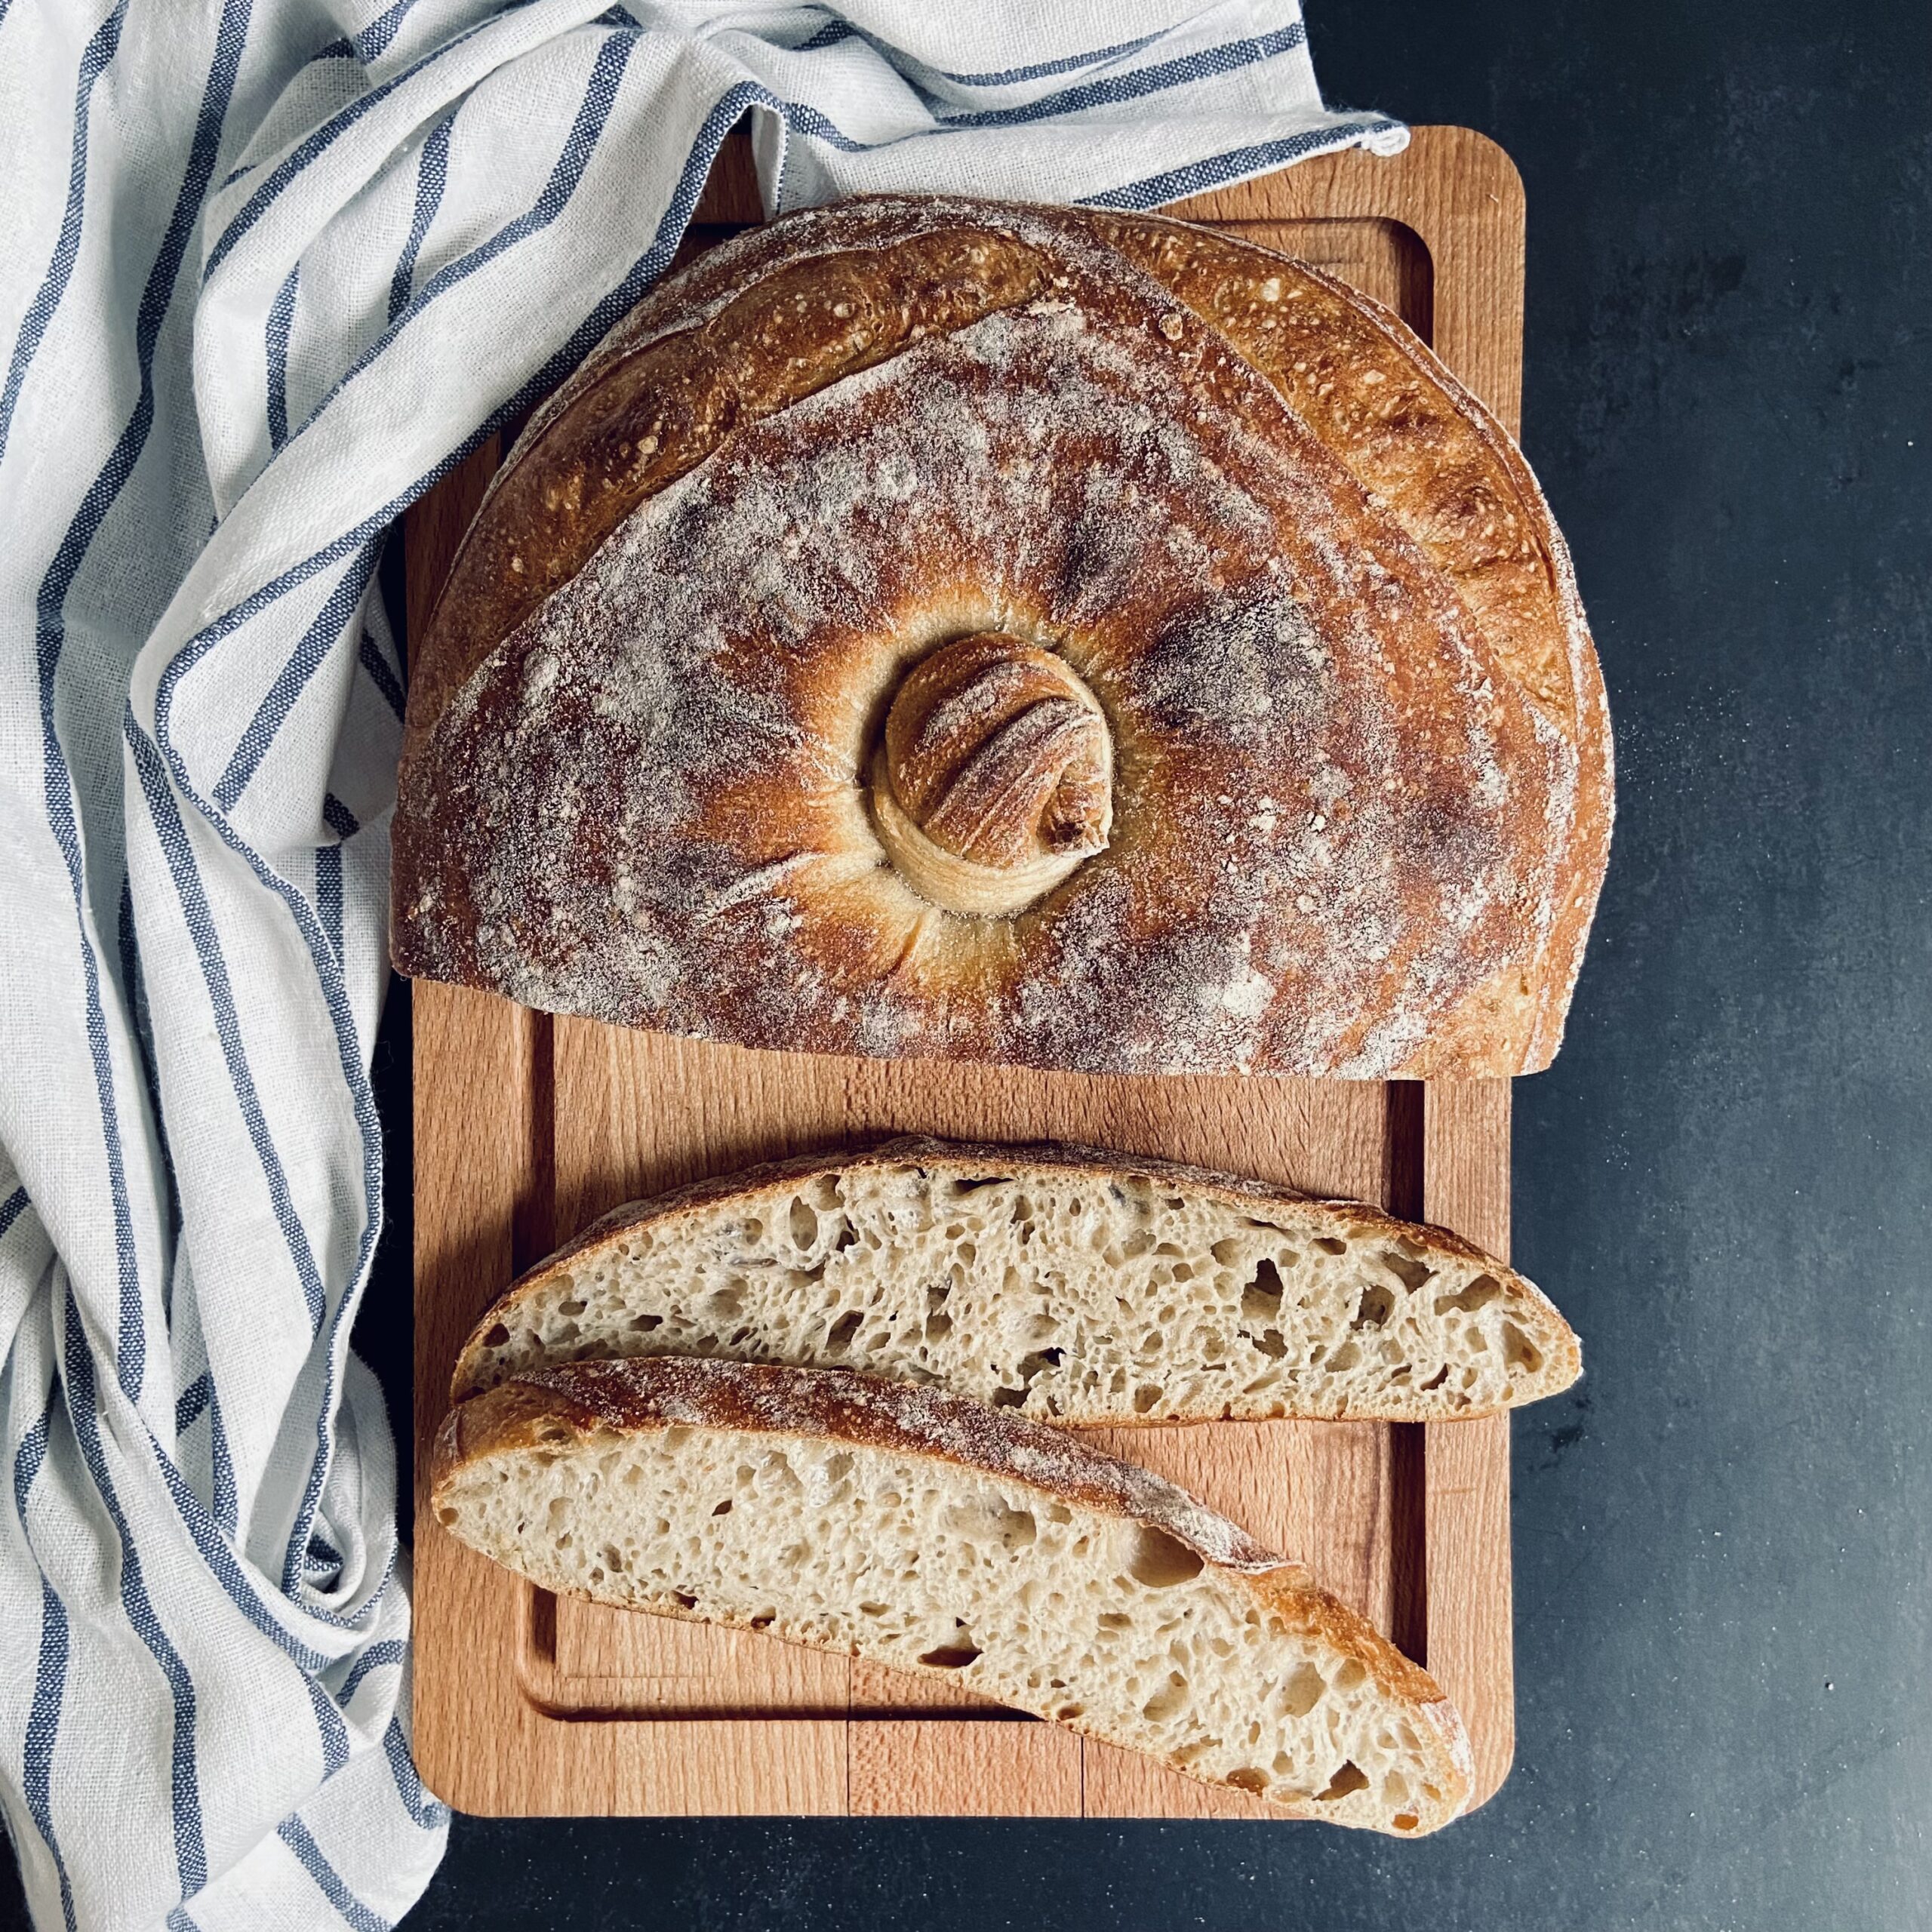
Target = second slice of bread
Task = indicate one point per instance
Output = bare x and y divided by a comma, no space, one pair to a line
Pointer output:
1075,1285
933,1534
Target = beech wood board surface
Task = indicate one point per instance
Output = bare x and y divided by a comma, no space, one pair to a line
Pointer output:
527,1126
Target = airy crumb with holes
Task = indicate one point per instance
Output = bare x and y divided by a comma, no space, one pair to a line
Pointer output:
1073,1285
922,1531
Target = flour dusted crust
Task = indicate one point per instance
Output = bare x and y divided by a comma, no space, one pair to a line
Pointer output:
1360,765
1454,479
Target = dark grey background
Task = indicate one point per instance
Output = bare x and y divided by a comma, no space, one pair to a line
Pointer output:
1724,1625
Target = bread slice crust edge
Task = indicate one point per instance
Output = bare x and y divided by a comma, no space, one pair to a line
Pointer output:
475,1368
551,1412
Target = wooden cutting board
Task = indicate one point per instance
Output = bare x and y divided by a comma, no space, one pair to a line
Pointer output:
528,1126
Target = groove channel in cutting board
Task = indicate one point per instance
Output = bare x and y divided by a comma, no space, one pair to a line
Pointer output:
527,1127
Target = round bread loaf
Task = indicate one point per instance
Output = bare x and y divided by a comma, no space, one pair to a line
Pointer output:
950,629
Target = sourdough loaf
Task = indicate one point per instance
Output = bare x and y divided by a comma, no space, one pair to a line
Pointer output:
941,628
918,1530
1074,1285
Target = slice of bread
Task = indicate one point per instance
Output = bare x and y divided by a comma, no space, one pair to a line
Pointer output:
1078,1286
923,1530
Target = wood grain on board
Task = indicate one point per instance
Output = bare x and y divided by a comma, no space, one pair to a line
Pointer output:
528,1126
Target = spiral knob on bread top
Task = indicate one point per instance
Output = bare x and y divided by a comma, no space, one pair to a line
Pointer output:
944,628
994,777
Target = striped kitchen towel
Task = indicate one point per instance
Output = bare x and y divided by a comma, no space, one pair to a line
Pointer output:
268,269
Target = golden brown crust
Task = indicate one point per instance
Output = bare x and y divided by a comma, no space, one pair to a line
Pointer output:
662,1391
998,752
993,778
980,1160
1377,397
554,1409
1452,476
659,411
1356,832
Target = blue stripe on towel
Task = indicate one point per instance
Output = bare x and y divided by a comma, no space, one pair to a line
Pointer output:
388,1651
835,33
197,1400
329,1723
190,1851
134,992
1198,176
195,910
1137,85
431,1813
342,822
381,676
432,176
50,1681
11,1209
373,40
296,1835
226,1503
1209,62
281,323
192,1402
328,893
344,604
100,51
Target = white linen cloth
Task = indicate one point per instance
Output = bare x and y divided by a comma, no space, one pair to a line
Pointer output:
268,269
